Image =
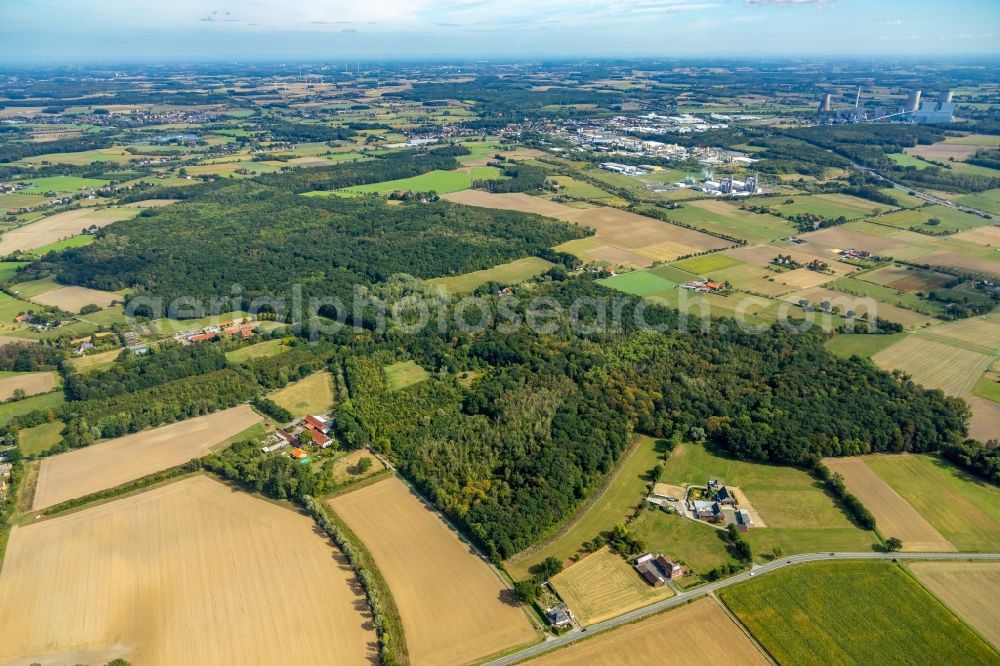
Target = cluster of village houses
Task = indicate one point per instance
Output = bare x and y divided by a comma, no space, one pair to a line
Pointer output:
244,331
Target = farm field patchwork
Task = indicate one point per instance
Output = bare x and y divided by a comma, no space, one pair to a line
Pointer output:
988,201
894,516
602,585
310,395
935,364
852,612
985,235
830,206
625,490
116,461
187,572
963,509
906,278
949,219
511,273
725,218
969,589
701,632
30,383
451,603
846,345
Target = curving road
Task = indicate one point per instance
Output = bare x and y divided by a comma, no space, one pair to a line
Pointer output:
930,198
757,570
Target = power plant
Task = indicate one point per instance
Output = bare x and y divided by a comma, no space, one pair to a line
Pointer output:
913,110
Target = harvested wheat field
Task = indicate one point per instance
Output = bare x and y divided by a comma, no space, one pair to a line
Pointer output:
72,299
192,572
803,278
893,514
59,226
988,235
943,151
454,608
906,279
116,461
602,585
516,201
985,422
935,364
699,633
970,589
843,237
32,383
960,262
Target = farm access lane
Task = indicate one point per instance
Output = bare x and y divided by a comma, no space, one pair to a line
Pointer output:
756,570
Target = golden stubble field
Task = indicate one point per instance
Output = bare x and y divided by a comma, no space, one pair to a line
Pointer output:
455,609
32,383
116,461
192,572
72,299
970,589
59,226
699,633
894,515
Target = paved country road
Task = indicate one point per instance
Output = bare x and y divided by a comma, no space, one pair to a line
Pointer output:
757,570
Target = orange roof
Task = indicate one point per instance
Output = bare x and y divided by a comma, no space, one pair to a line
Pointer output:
201,337
299,453
319,438
714,285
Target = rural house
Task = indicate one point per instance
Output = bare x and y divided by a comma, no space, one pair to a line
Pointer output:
668,567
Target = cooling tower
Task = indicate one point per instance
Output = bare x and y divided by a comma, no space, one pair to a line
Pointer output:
912,102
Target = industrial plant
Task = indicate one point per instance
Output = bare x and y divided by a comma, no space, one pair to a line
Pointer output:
914,110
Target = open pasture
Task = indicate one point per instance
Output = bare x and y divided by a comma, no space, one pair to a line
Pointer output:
886,295
510,273
185,573
454,608
257,350
830,206
987,235
727,218
116,461
699,546
13,202
962,262
43,401
908,160
906,278
948,220
638,283
894,516
706,264
964,509
803,278
969,589
72,299
624,490
403,374
602,585
864,345
442,182
988,200
699,633
59,226
40,438
65,184
846,236
310,395
515,201
852,612
30,383
943,151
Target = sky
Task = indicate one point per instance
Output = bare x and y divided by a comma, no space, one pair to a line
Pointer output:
267,30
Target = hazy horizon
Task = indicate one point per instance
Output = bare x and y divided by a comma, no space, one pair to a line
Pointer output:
61,31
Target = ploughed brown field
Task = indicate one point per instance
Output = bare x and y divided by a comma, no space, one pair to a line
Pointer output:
970,589
116,461
455,609
699,633
192,572
894,516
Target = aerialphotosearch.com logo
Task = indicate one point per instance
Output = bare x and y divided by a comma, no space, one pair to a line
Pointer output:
409,308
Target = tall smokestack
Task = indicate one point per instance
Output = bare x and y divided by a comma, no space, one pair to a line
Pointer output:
912,102
825,103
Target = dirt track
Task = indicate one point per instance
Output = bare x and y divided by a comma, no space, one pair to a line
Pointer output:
117,461
192,572
455,609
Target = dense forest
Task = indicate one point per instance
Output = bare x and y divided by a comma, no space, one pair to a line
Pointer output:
267,239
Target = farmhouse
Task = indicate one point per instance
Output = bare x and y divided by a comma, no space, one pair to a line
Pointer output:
725,497
710,511
317,424
651,573
559,615
657,569
668,567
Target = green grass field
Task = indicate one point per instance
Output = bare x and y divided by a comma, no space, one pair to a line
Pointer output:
852,613
637,283
964,509
725,218
988,387
988,200
578,189
403,374
705,264
904,160
74,241
830,206
8,269
903,299
21,200
694,544
801,517
65,184
442,182
51,400
846,345
33,441
259,350
625,490
511,273
951,220
94,362
34,288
